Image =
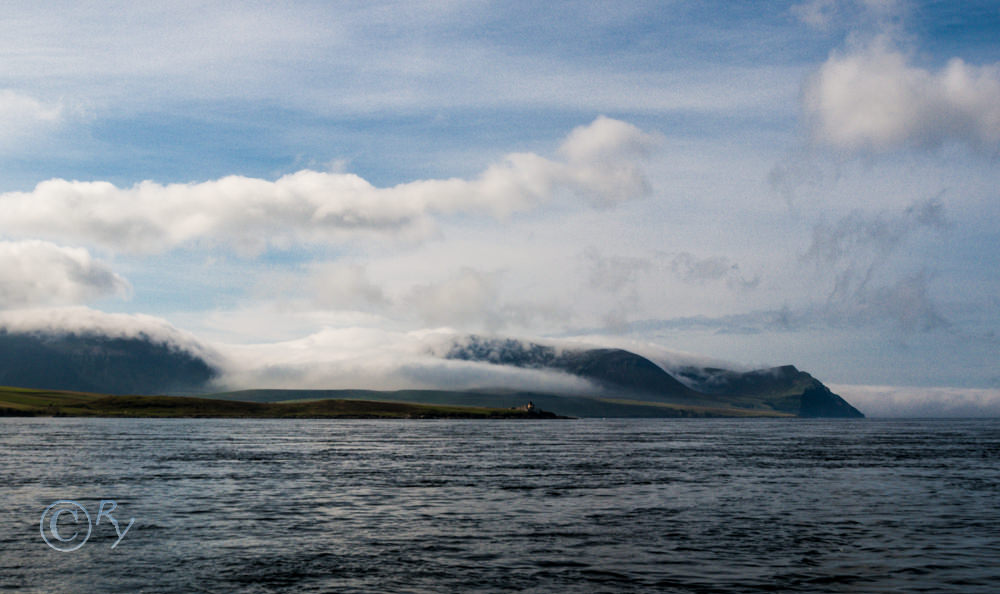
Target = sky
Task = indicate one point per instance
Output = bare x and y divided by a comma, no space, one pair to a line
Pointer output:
319,192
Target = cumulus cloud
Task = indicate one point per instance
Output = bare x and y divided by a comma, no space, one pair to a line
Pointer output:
34,273
895,401
600,166
875,99
602,159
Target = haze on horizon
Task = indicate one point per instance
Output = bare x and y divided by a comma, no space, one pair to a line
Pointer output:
317,192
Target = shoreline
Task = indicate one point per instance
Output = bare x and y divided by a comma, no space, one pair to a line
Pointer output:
25,402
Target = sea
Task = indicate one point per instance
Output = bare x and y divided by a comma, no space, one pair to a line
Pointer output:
589,505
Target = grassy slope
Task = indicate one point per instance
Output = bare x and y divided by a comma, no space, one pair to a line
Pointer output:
344,404
565,405
21,401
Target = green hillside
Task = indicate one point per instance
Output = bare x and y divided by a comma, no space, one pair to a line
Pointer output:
577,406
28,402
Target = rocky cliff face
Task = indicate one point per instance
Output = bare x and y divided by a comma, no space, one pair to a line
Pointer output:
784,388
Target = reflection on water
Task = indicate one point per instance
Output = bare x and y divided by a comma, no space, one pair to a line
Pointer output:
467,506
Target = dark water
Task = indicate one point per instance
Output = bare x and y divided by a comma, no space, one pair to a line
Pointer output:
485,506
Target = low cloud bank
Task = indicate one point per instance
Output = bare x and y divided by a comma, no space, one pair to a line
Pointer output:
381,360
895,401
670,360
86,321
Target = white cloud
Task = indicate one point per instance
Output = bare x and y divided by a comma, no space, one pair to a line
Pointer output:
601,167
473,300
378,359
603,161
874,99
468,297
83,320
433,292
344,286
896,401
34,273
273,321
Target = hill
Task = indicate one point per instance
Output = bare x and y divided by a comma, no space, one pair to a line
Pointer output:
27,402
782,388
94,362
623,376
577,406
614,369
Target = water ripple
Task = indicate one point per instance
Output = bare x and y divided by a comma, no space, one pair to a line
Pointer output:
487,506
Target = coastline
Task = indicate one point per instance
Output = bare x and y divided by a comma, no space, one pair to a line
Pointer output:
23,402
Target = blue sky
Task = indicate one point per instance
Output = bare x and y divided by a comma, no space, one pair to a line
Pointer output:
314,184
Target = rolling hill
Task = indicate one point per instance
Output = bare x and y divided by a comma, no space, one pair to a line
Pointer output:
27,402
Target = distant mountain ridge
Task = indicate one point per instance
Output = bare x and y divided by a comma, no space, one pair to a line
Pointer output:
94,362
630,376
611,368
624,383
